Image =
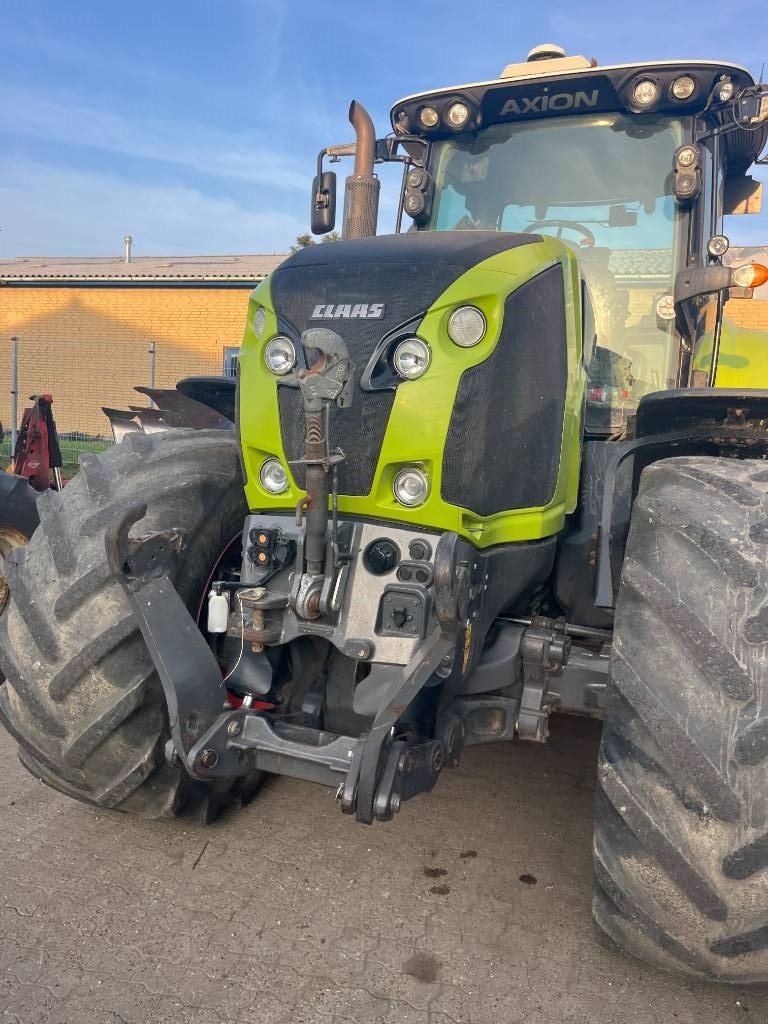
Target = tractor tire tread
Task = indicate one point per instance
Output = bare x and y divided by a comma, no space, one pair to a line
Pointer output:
82,697
681,837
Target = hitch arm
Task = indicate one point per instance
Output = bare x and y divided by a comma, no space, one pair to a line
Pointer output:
188,671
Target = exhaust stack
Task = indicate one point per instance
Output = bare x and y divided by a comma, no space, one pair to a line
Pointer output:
361,188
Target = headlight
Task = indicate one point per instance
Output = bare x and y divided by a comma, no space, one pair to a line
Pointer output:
466,326
645,93
412,358
273,477
458,115
429,117
411,486
683,88
280,355
259,320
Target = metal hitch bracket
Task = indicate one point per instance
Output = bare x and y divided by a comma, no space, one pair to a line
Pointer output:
188,671
372,773
545,648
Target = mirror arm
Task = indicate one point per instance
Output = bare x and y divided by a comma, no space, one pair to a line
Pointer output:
693,283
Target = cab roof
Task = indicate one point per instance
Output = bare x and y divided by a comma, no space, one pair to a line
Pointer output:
567,84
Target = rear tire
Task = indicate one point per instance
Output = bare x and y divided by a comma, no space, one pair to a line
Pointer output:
82,696
681,838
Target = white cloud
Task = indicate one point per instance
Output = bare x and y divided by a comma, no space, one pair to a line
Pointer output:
46,210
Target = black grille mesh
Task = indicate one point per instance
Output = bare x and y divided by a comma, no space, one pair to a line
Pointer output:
358,431
504,439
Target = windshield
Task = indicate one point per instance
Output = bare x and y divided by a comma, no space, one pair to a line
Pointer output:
603,185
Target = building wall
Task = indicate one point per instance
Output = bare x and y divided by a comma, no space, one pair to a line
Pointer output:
88,347
750,313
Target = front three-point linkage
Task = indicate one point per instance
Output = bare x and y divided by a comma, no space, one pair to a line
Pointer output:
328,380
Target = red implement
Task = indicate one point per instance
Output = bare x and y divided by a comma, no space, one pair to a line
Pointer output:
37,455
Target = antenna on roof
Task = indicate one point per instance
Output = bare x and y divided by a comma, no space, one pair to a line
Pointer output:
545,51
128,242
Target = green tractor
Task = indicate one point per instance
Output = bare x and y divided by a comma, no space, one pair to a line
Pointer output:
508,462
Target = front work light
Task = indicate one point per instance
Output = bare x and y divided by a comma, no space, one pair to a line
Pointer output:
683,88
726,90
645,93
429,117
718,246
411,486
687,183
466,326
686,156
458,115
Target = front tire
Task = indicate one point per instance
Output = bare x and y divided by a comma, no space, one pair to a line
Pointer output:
681,838
82,696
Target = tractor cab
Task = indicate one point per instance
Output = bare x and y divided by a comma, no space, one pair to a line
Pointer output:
632,167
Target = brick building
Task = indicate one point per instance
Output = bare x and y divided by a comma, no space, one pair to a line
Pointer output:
85,327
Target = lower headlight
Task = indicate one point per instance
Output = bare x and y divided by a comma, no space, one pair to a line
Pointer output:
412,358
411,486
273,476
280,355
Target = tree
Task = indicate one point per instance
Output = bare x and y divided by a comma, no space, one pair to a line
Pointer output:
304,241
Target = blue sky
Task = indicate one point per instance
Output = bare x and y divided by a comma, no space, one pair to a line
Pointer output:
194,126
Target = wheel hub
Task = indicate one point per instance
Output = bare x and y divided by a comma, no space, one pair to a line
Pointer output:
9,540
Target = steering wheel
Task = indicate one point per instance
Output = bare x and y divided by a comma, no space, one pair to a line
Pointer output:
587,240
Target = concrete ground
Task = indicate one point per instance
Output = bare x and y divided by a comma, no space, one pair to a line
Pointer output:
472,906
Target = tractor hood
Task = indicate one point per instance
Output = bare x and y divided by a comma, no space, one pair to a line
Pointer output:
369,290
484,423
378,283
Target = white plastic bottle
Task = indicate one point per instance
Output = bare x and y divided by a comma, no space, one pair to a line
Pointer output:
218,612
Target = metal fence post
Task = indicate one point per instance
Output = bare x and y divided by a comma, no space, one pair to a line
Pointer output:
152,361
14,391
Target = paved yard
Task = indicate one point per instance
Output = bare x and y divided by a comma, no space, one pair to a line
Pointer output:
472,906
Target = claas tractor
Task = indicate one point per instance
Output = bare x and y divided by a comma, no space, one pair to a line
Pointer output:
505,461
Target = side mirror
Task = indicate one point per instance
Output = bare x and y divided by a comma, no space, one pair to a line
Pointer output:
620,217
323,215
752,108
742,195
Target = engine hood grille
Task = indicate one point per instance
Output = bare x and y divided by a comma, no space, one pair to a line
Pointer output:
364,290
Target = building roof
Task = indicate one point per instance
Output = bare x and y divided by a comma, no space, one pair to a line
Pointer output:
188,269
